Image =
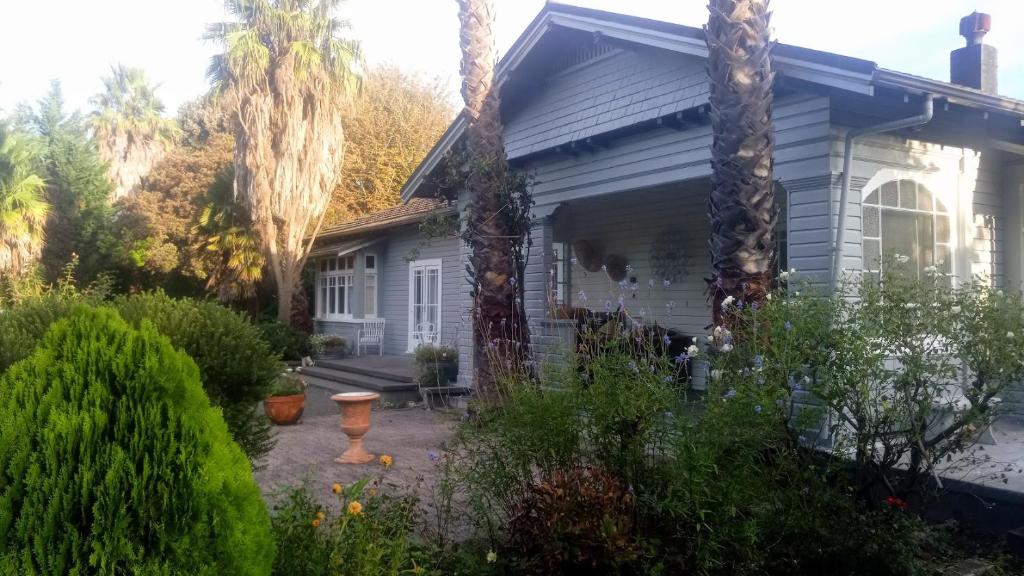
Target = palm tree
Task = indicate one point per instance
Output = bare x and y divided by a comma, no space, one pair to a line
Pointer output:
287,74
130,131
499,323
742,203
22,208
225,245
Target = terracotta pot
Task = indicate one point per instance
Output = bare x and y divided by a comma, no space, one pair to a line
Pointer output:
355,422
284,410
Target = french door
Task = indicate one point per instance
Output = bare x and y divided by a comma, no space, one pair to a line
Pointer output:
424,302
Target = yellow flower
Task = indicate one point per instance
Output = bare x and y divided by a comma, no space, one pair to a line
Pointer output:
320,515
492,557
371,492
316,522
355,508
386,461
336,488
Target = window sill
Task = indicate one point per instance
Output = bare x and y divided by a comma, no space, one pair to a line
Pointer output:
346,320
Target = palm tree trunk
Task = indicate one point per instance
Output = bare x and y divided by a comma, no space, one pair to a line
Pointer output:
742,203
500,334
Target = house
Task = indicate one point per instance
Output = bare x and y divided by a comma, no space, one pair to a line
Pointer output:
383,267
609,114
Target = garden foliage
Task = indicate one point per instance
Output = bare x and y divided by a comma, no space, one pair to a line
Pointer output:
114,462
236,366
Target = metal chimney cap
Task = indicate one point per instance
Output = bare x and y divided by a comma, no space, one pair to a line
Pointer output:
974,26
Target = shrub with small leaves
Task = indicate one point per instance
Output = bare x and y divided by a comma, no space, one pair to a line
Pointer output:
114,462
580,521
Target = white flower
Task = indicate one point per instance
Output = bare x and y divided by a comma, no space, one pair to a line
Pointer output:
492,557
716,374
726,347
930,270
910,305
718,332
728,301
1010,335
792,270
692,350
784,275
901,258
768,296
999,293
955,309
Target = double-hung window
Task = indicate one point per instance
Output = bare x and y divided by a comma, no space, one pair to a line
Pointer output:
370,286
334,288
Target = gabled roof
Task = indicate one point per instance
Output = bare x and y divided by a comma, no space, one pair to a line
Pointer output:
827,69
414,211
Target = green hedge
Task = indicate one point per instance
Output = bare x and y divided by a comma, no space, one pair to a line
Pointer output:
236,365
112,461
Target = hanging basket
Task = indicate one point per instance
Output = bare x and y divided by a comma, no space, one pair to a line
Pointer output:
588,255
615,266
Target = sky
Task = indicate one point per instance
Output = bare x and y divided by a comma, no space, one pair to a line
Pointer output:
77,41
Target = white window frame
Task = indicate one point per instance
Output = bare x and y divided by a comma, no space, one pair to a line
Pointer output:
413,342
559,276
949,213
375,274
340,279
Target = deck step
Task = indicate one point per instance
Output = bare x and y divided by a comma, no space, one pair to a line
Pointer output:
360,380
398,373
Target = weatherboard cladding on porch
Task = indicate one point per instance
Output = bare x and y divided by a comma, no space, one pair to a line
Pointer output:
394,284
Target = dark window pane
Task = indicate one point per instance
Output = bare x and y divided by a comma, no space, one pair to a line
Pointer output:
924,198
890,194
942,228
908,194
871,254
871,225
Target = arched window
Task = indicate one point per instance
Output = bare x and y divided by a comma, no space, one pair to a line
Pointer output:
903,217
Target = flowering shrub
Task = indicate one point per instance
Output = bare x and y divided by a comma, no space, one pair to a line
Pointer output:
368,535
905,372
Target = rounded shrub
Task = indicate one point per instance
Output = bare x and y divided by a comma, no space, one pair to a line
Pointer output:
112,461
236,365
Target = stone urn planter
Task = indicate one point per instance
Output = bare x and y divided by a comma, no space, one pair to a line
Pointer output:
287,400
355,422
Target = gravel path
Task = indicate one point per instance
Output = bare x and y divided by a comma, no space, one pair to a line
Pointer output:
305,452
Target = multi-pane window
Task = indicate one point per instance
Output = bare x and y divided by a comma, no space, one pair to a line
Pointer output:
559,276
370,286
903,218
334,284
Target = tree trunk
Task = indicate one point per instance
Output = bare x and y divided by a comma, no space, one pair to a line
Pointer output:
742,202
500,334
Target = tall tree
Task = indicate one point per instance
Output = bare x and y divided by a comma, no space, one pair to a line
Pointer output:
389,128
287,73
23,209
499,322
742,203
77,189
130,129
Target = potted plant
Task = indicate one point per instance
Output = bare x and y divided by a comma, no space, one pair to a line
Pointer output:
287,399
328,346
437,365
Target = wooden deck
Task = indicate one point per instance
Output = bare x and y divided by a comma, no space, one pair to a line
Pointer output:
393,377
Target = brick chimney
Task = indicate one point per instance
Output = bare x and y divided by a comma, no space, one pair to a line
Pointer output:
975,65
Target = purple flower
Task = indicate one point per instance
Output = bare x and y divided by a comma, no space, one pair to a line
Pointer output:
760,380
668,379
758,361
512,280
607,306
757,409
788,325
755,306
666,340
666,283
731,393
433,455
746,371
681,358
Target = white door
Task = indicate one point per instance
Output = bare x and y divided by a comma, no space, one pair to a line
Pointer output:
424,302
